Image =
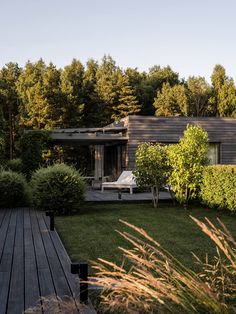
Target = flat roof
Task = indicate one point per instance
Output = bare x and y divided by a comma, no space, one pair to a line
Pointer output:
89,136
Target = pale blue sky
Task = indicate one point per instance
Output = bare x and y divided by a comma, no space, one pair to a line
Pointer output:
189,35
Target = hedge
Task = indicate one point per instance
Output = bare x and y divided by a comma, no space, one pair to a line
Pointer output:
218,189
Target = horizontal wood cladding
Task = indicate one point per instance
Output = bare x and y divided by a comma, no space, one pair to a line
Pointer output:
169,130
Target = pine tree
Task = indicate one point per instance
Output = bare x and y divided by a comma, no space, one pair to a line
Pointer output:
29,87
92,104
106,88
201,100
127,101
72,89
39,89
9,100
224,92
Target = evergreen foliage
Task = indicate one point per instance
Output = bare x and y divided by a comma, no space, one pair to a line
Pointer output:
39,89
41,96
14,165
9,104
224,92
59,188
127,101
14,190
72,90
32,145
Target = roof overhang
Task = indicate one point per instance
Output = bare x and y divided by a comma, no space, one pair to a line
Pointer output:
90,136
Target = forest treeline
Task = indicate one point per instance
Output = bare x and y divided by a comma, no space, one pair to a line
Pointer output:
42,96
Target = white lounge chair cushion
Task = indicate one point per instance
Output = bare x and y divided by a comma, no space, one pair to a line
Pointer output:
126,179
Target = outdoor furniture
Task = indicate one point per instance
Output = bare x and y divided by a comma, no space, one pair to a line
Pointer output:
125,181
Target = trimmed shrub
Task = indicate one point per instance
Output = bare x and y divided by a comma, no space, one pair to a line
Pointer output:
14,190
59,188
218,189
14,165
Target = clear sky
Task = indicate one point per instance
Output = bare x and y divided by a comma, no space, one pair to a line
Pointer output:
189,35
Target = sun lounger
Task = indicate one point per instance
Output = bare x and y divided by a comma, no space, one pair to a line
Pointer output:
125,181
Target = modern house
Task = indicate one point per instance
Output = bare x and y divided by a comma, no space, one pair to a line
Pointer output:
116,144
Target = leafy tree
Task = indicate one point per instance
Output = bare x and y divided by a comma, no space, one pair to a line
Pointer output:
171,101
158,76
227,99
150,83
200,95
187,160
72,88
151,168
9,102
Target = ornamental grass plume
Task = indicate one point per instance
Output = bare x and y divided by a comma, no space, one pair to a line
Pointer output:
158,283
56,305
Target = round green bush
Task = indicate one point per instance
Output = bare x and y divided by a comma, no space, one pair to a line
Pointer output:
14,165
59,188
14,190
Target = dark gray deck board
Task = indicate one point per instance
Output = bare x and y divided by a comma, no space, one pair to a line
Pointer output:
16,292
31,275
62,287
33,262
6,262
2,214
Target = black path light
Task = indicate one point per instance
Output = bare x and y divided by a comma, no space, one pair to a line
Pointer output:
82,270
50,214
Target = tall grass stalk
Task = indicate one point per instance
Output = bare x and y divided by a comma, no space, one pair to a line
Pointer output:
157,282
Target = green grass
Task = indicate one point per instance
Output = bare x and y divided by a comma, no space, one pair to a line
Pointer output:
91,234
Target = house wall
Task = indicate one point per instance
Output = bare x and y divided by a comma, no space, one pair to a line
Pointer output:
169,130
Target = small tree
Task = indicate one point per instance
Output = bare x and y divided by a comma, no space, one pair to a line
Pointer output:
187,160
151,168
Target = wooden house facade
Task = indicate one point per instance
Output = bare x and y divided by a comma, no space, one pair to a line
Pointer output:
116,144
167,130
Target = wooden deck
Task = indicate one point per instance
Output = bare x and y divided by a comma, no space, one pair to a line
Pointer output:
112,195
33,263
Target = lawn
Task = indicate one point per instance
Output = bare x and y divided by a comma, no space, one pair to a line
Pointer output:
91,234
